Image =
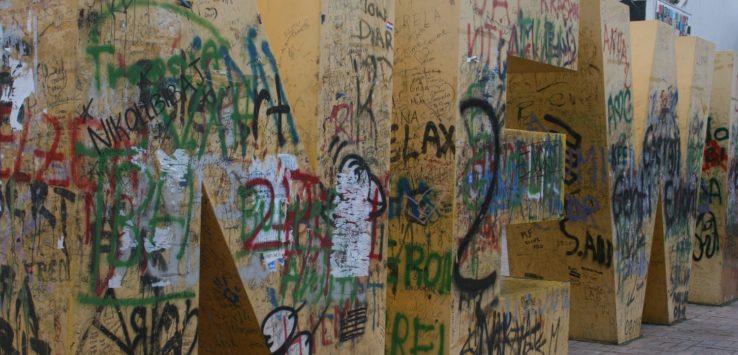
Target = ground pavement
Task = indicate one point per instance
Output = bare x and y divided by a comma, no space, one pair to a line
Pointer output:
707,330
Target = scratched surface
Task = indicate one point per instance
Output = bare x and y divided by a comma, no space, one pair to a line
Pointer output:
115,114
533,317
630,177
308,242
669,267
450,176
531,178
44,251
715,252
293,30
596,246
673,144
419,254
101,229
227,320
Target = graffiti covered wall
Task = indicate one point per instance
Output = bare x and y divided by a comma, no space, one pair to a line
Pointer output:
105,189
669,267
125,125
715,253
593,107
101,201
311,242
631,167
533,317
132,133
457,176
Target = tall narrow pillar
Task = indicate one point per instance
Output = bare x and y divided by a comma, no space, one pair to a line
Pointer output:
715,255
669,268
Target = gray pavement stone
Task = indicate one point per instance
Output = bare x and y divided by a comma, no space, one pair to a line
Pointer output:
707,330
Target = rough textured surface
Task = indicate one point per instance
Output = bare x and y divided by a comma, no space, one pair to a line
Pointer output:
715,256
595,247
533,317
309,240
117,117
451,192
671,254
632,167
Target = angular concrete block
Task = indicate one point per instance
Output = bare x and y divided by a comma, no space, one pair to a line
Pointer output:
591,247
448,161
310,250
669,268
715,255
533,317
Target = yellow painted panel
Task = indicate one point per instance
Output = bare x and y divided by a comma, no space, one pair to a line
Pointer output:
540,307
293,29
614,142
119,113
448,178
671,143
715,266
669,268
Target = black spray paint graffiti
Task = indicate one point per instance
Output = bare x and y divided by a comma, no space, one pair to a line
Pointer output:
708,238
353,324
471,286
159,328
480,338
600,249
436,136
572,148
23,336
280,332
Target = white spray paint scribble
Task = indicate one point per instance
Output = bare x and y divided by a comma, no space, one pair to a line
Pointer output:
163,240
126,247
21,82
352,238
167,239
175,167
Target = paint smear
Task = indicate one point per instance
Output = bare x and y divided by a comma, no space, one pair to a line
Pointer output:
21,84
352,236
